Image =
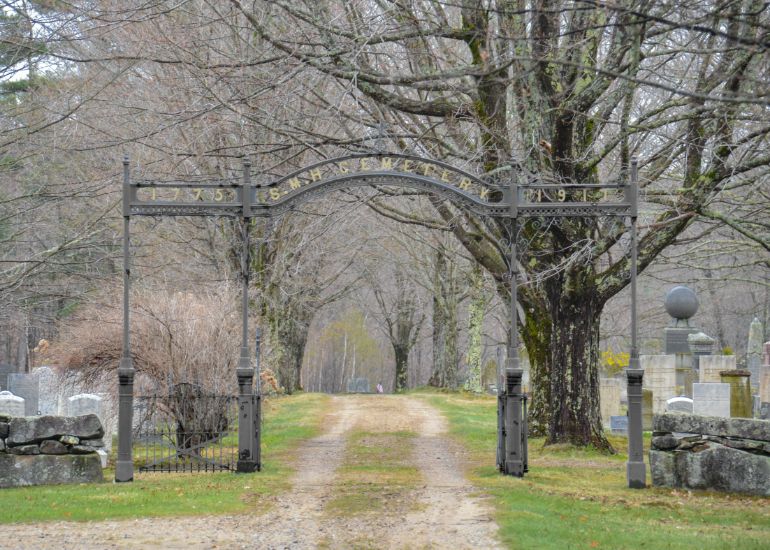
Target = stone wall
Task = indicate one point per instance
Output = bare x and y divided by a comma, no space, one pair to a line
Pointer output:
41,450
703,452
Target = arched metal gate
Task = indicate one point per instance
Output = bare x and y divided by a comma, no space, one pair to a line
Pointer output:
512,201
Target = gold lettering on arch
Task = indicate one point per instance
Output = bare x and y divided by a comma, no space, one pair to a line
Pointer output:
386,163
294,183
465,184
484,193
343,166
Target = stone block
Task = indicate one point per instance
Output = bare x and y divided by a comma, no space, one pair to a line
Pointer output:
19,470
51,447
711,365
663,469
3,430
711,399
609,398
24,450
744,428
36,429
660,378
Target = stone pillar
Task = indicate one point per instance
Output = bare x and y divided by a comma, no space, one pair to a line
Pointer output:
764,375
681,303
741,405
754,353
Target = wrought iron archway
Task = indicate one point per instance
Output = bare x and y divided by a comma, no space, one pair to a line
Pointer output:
246,200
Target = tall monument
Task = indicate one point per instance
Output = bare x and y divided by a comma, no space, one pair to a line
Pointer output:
681,303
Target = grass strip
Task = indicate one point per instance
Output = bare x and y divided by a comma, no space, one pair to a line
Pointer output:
287,422
376,474
577,498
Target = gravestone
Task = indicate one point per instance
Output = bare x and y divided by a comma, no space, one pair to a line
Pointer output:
764,411
89,403
764,375
609,398
5,370
741,404
660,378
84,403
646,410
11,404
764,385
679,404
756,405
712,365
701,345
711,400
28,387
358,385
619,424
681,303
754,353
49,386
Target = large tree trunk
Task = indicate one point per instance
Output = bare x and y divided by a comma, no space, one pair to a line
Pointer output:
575,313
445,301
402,361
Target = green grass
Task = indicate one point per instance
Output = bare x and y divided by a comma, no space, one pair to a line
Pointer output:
288,422
577,498
376,474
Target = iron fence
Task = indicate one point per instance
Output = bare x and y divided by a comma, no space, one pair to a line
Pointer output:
185,431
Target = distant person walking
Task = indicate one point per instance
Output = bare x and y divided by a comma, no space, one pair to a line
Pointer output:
379,387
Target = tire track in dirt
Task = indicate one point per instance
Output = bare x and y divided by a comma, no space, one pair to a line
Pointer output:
444,511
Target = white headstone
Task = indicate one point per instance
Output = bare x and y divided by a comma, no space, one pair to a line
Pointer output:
660,378
711,365
48,402
26,386
679,404
609,398
711,400
11,404
84,403
89,403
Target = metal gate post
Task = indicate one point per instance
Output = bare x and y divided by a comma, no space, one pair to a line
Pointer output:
501,428
514,458
635,469
124,466
247,455
257,405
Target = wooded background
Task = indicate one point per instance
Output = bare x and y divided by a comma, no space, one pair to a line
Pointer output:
400,287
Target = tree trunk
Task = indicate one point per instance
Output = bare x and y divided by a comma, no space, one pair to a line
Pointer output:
536,335
402,361
445,331
475,324
574,376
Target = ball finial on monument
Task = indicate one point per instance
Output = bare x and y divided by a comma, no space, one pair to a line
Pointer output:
681,303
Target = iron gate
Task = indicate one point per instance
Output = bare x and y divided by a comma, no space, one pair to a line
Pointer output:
186,431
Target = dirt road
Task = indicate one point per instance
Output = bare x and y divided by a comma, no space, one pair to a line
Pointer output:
440,510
